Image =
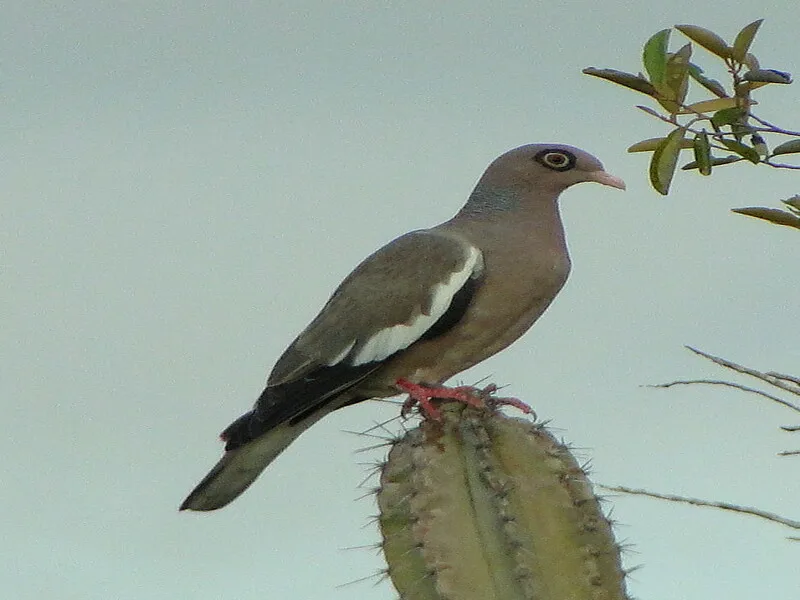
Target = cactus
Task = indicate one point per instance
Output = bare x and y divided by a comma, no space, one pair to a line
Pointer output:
482,506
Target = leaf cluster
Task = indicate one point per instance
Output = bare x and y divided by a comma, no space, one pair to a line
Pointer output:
719,130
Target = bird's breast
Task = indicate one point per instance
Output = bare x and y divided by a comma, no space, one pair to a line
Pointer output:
509,300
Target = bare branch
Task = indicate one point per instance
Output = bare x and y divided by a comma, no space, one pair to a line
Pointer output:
738,386
770,379
773,128
791,378
747,510
719,135
775,165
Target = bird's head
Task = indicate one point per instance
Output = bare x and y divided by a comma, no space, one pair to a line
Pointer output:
548,169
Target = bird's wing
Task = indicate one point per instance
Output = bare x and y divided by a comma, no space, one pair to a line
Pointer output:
417,287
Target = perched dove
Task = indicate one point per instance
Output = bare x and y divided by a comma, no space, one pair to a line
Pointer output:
423,308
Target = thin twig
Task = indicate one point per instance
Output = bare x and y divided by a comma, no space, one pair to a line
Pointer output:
791,378
721,136
775,165
658,115
738,386
772,380
773,128
748,510
789,453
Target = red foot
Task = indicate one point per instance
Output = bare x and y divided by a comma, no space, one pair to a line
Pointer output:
494,401
480,398
423,394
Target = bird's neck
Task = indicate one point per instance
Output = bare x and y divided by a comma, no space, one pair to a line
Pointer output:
485,201
521,201
519,216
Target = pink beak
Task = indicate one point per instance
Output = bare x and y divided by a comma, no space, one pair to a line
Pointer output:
606,179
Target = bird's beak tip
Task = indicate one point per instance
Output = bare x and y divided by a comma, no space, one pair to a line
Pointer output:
607,179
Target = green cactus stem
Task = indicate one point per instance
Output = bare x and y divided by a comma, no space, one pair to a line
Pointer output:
480,506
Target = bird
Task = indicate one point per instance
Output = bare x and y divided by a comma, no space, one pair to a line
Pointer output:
421,309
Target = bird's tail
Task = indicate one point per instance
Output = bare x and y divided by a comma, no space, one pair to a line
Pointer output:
240,466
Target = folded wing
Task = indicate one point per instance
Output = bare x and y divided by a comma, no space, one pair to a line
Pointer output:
415,288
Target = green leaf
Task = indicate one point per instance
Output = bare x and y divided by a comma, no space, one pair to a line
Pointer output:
790,147
743,40
793,203
768,76
716,162
665,160
668,100
702,153
654,56
742,150
773,215
743,89
740,130
727,116
649,111
752,62
717,104
677,77
712,85
707,39
628,80
649,145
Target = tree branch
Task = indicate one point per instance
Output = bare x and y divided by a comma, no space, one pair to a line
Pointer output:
773,128
778,382
791,378
737,386
747,510
775,165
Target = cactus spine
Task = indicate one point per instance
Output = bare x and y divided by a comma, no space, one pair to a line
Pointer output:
485,507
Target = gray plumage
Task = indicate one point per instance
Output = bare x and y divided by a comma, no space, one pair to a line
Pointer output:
425,307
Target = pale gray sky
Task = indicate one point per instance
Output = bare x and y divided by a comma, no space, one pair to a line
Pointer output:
185,183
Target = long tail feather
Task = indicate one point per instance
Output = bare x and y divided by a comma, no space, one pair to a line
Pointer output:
238,468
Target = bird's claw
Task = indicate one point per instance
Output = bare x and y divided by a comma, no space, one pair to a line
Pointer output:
494,402
423,395
487,395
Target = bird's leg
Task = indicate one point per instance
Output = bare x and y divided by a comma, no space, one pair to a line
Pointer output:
423,394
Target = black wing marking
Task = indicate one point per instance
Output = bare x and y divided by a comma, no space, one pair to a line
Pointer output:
294,400
455,312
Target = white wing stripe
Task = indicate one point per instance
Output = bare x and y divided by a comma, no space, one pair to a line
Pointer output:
387,341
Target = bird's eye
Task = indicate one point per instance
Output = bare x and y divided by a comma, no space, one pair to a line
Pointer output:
558,160
555,159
